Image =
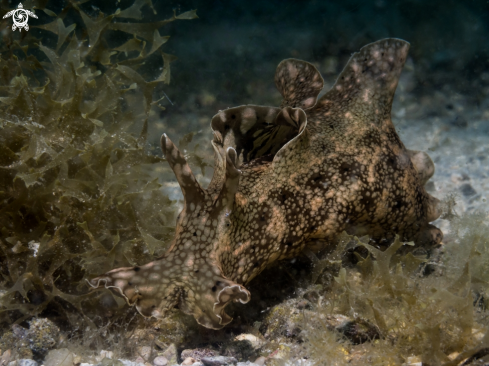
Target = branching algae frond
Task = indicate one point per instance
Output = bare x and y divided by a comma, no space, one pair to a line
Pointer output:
77,194
430,319
286,178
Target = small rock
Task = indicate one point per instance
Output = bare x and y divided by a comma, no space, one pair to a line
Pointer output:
43,335
240,350
260,361
282,319
189,361
303,304
171,354
218,361
19,332
302,362
160,361
59,357
247,363
4,360
76,358
467,190
131,363
254,340
19,347
104,354
26,362
145,352
111,362
413,361
197,353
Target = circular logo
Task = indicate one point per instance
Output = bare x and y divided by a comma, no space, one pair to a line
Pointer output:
20,16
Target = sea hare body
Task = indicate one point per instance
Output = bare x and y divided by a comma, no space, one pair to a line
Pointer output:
285,178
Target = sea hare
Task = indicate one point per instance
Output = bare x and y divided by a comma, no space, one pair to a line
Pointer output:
285,178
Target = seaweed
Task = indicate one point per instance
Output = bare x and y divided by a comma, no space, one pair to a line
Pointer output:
438,319
78,192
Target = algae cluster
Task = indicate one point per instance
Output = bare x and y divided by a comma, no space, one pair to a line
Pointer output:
78,195
436,319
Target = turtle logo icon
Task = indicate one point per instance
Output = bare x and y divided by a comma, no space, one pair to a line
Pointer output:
20,16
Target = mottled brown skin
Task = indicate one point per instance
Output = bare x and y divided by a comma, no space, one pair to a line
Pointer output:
286,178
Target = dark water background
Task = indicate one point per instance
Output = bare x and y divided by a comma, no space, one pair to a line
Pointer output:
234,42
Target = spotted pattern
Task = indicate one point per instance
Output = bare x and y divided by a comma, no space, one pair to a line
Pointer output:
287,178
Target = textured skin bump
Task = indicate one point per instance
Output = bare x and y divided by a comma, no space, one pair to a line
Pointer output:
286,179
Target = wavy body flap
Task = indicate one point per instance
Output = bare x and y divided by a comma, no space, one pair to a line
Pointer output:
252,131
365,89
299,82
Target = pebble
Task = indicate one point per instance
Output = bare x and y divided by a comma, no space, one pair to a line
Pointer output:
219,361
104,354
260,361
26,362
4,360
144,352
413,361
254,340
467,190
123,361
189,361
160,361
42,335
197,353
59,357
171,354
131,363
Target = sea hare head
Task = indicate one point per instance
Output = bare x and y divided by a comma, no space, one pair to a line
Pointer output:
166,283
188,276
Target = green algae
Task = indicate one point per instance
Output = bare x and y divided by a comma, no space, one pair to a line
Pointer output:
78,192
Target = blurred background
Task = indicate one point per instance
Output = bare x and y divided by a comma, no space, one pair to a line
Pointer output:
235,44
